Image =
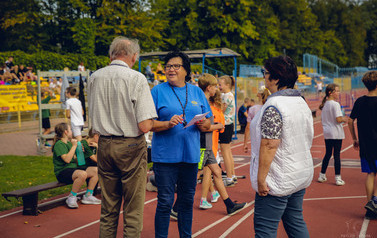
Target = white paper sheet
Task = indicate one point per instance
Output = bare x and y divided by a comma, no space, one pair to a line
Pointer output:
196,119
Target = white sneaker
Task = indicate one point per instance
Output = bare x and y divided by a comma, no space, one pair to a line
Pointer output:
150,187
72,202
90,200
339,181
322,178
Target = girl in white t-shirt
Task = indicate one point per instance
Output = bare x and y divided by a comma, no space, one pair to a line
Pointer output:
332,119
226,84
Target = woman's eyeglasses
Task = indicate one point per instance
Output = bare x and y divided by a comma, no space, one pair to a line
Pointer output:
175,66
264,72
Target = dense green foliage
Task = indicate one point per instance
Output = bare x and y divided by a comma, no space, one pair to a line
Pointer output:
341,31
44,60
18,172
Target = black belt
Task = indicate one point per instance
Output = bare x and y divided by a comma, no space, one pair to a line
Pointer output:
120,137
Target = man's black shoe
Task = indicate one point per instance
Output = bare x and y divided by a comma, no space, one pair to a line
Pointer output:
236,208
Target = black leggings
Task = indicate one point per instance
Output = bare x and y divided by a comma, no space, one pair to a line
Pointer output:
330,144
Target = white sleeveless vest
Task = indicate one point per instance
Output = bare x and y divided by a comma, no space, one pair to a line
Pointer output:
292,167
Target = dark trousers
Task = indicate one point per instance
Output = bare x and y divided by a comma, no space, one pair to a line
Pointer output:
330,145
167,176
269,210
122,170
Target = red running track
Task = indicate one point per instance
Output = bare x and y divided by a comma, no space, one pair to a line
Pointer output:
329,210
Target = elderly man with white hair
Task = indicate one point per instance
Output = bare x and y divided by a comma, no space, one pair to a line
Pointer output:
121,109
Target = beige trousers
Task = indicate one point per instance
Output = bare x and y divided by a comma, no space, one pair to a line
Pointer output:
122,170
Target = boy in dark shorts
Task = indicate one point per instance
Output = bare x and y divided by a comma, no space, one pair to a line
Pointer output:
365,112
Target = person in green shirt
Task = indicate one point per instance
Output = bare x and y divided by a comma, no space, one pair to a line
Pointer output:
90,146
46,125
66,169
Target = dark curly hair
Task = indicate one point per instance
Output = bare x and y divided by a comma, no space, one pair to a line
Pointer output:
284,69
185,62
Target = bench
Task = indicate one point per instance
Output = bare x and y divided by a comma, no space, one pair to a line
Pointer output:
30,196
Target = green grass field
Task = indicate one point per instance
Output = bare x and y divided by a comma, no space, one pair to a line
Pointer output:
18,172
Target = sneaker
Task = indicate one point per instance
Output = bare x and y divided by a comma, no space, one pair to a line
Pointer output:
371,206
151,188
322,178
215,196
72,202
370,215
236,208
90,200
173,215
204,204
339,182
235,180
228,183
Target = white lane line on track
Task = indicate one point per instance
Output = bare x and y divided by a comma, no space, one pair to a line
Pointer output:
333,198
218,222
9,214
364,228
234,226
94,222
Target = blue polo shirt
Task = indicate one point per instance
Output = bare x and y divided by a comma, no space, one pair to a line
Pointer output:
178,144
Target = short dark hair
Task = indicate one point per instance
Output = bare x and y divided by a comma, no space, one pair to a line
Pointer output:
185,62
370,80
72,91
284,69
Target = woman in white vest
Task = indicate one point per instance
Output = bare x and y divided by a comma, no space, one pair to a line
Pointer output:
281,164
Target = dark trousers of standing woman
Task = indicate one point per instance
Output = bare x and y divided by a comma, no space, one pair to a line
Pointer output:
167,176
336,145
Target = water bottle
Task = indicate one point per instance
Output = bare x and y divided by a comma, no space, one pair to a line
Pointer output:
80,154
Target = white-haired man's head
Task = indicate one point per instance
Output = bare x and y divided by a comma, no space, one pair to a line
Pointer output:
123,47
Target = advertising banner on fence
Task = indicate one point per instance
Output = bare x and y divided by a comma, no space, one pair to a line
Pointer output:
12,98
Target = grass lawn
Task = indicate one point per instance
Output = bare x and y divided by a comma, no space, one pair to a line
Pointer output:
18,172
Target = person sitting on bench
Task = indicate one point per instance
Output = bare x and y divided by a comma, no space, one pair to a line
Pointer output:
66,169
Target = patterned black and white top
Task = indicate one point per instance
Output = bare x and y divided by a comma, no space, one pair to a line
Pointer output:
271,124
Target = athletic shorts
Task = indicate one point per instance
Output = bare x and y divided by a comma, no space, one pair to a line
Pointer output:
46,123
206,158
66,175
226,136
366,168
76,130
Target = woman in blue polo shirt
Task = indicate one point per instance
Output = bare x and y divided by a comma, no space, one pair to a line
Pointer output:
175,149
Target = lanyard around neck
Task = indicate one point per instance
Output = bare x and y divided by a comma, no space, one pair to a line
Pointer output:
183,107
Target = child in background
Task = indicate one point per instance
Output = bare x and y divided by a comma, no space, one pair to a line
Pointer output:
90,145
208,84
226,84
66,169
46,125
74,112
332,119
365,112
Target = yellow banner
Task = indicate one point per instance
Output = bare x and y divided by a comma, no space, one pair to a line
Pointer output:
13,98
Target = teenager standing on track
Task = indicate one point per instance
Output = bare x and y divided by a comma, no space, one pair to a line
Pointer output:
332,119
208,83
365,112
226,84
